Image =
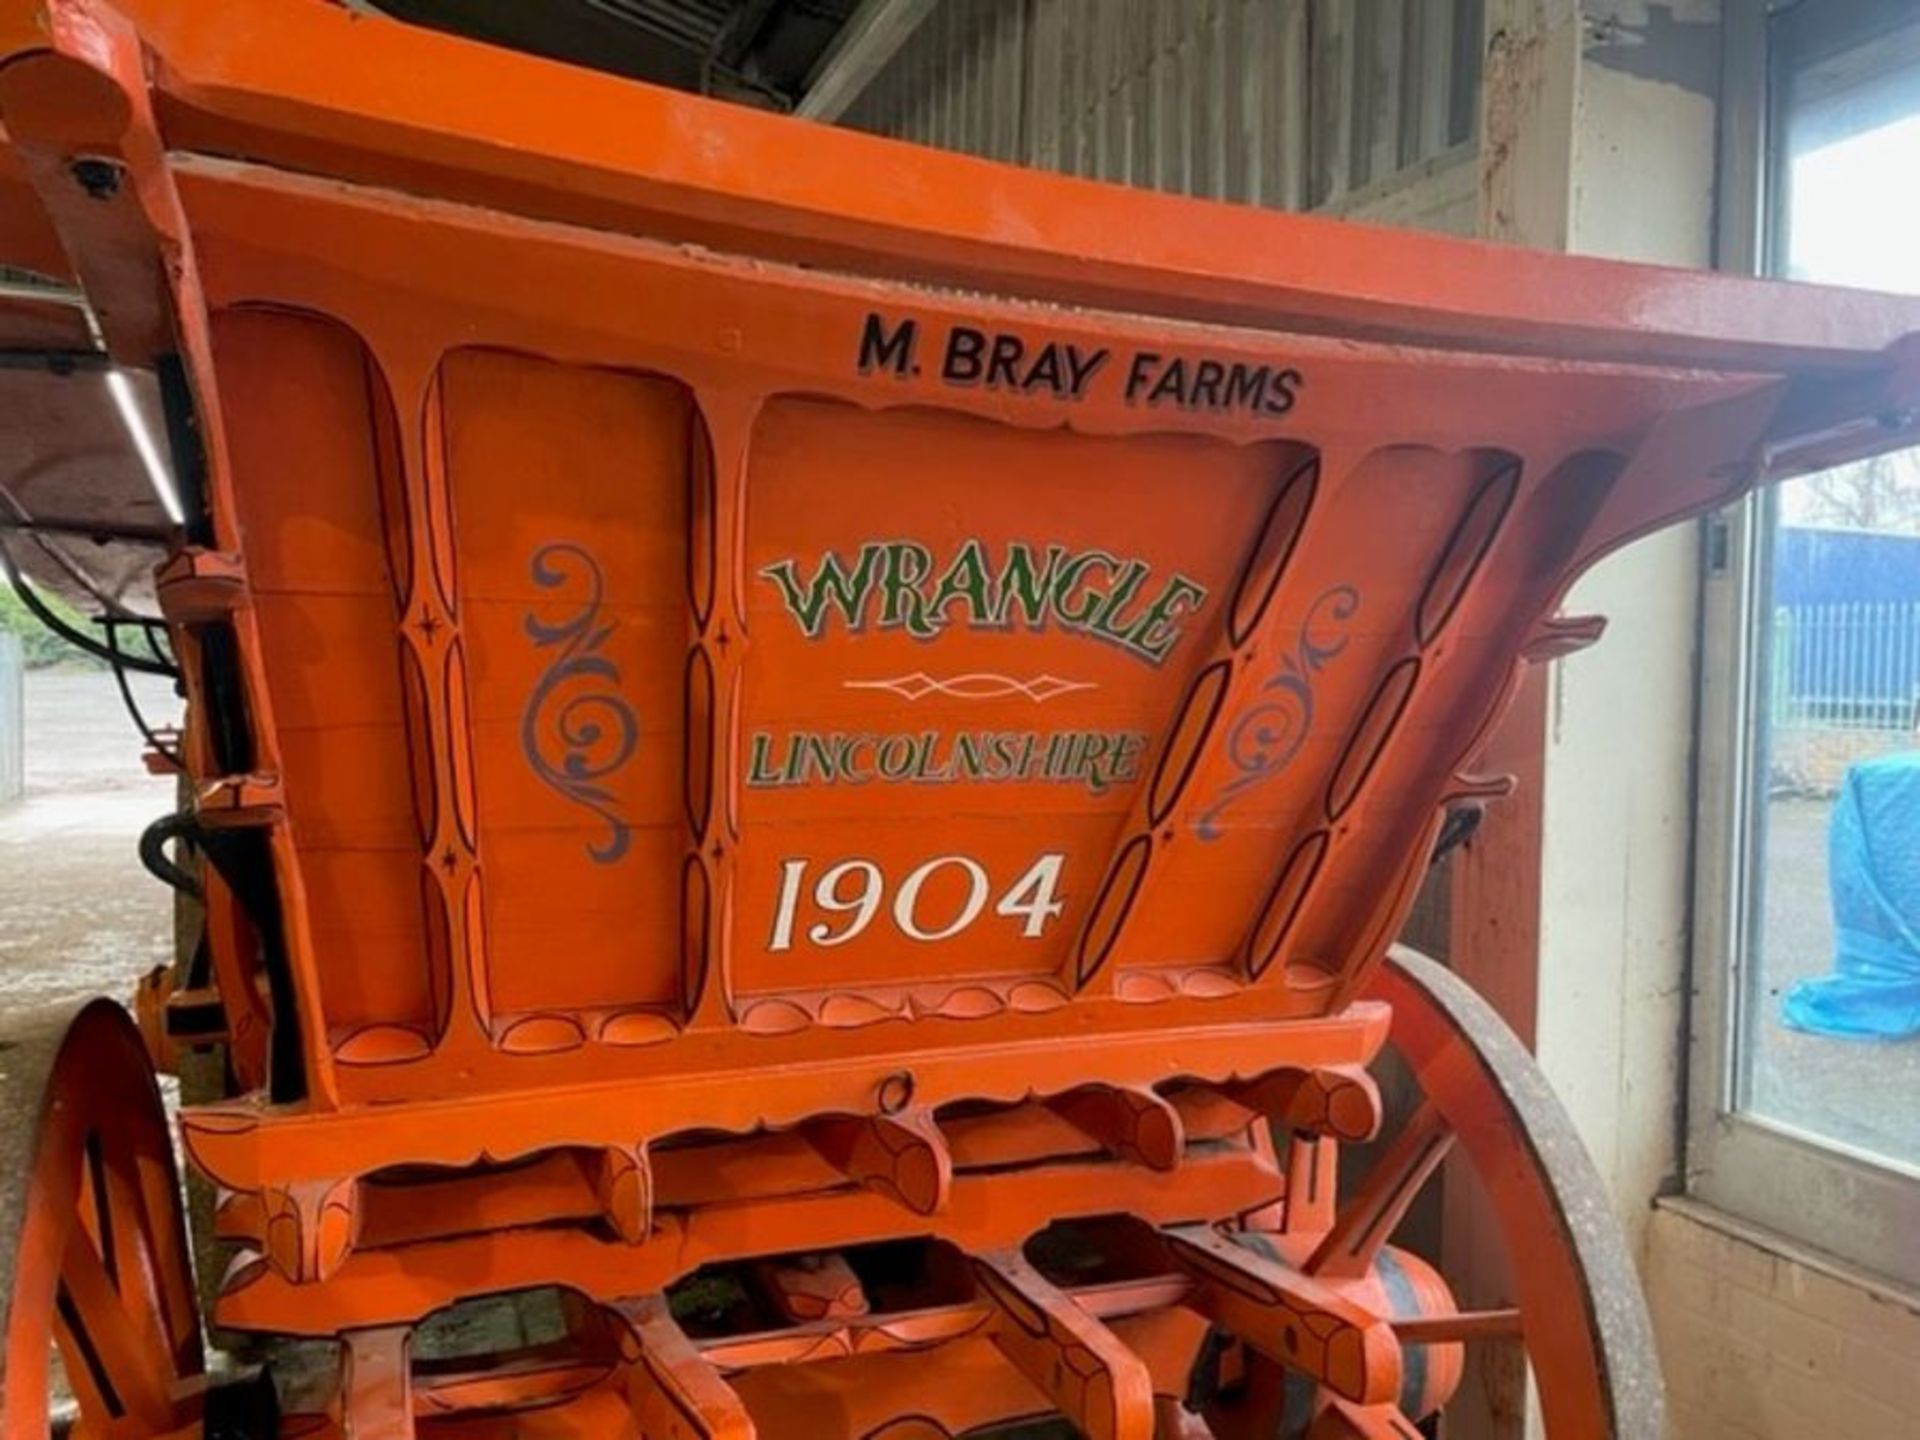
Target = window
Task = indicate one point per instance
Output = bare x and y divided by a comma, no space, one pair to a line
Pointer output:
1806,1071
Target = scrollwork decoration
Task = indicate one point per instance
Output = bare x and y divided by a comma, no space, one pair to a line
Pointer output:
577,730
1266,737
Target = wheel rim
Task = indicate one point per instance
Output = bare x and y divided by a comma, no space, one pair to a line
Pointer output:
1582,1314
93,1251
1577,1310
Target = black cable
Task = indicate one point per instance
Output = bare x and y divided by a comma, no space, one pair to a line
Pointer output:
119,661
1455,830
153,853
153,631
38,608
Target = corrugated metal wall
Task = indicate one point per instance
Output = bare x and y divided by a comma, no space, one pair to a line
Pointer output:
1292,103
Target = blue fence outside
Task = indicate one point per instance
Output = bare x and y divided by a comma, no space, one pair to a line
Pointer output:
1849,666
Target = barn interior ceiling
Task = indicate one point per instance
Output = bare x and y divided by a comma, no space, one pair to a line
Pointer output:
759,52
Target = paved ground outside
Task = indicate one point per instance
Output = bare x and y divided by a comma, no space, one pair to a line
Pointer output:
1863,1093
78,915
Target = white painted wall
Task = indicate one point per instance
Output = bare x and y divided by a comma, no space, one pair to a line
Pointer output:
1765,1341
1614,874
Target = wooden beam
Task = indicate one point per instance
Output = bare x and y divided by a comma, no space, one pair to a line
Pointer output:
1290,1318
904,1156
871,38
1080,1365
1130,1122
376,1395
673,1389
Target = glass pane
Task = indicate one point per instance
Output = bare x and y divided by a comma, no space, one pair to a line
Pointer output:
1831,1004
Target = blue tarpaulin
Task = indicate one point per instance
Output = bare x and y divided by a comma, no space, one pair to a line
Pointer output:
1873,858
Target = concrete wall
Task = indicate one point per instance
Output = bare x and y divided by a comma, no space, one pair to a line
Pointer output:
13,730
1615,877
1764,1343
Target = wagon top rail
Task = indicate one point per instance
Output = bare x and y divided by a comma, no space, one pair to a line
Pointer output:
310,86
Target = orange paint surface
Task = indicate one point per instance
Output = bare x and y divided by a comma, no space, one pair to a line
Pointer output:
774,692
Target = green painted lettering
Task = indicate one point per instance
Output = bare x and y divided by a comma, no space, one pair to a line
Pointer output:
1069,576
965,579
1156,633
901,601
831,588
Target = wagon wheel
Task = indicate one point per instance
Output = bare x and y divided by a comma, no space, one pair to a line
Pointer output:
1579,1311
93,1249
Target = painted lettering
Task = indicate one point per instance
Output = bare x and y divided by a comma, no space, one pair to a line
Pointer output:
881,350
1009,361
1086,591
1093,759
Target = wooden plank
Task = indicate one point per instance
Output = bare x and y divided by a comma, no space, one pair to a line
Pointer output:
1531,52
1081,1366
1526,121
376,1396
674,1391
1287,1316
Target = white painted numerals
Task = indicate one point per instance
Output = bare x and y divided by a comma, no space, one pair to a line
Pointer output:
856,890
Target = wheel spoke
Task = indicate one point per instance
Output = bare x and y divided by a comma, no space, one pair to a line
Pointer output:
1312,1177
177,1306
104,1350
1372,1216
1588,1341
1455,1329
126,1236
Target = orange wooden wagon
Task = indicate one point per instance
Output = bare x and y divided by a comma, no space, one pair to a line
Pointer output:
813,746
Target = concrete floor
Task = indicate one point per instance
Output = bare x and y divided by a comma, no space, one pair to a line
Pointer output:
78,915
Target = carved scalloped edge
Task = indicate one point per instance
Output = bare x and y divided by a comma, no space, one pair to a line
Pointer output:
1144,986
382,1045
629,1029
220,1120
541,1033
982,999
979,1000
837,1010
536,1033
1306,977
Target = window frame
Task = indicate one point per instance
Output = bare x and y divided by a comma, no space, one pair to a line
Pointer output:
1860,1208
